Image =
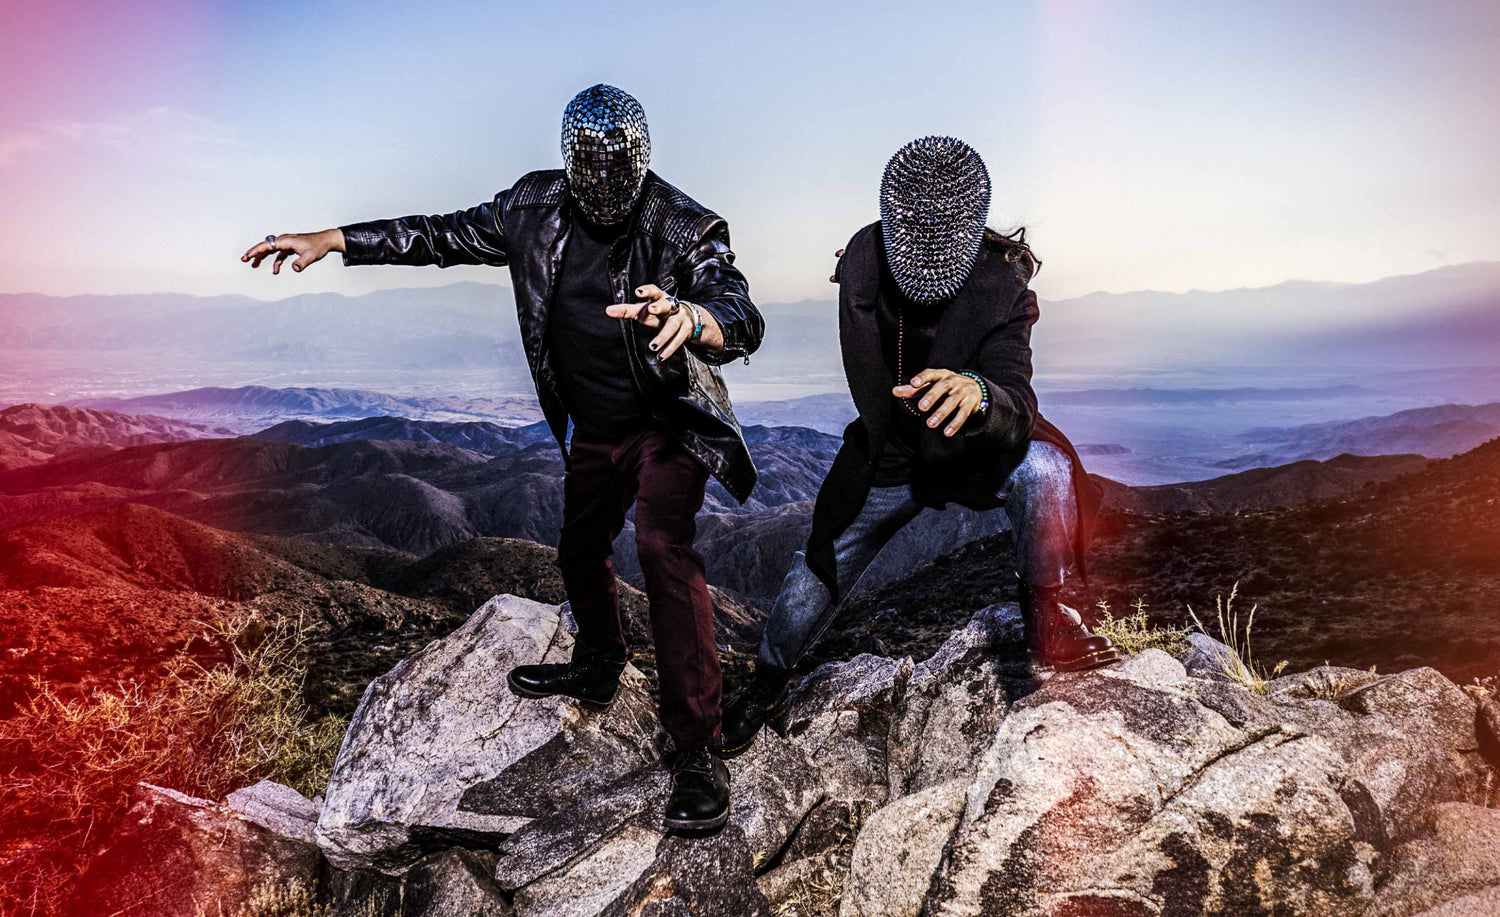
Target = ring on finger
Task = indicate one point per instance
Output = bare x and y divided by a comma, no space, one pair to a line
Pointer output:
676,304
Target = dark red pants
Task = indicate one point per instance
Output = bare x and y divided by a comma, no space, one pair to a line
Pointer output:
652,470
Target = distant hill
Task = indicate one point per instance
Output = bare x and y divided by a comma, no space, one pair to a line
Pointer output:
248,408
478,436
1292,484
418,486
1436,432
34,433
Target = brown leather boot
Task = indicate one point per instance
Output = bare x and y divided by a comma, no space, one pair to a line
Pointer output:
1057,637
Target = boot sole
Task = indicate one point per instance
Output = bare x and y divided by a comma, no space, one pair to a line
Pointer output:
697,824
538,695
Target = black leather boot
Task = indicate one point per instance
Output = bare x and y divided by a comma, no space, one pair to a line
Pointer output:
591,682
700,791
751,707
1057,637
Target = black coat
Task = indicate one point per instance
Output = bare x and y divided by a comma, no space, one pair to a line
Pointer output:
673,242
986,330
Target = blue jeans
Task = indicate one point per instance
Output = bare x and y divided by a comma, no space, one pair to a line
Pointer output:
1039,504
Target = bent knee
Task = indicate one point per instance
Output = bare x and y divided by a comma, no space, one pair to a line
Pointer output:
1046,467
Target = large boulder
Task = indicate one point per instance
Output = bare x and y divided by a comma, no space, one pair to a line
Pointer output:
841,715
1120,791
607,839
951,704
174,854
440,750
1421,700
1452,866
898,851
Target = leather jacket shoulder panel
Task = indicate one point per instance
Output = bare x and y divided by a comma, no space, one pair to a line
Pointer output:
673,217
542,188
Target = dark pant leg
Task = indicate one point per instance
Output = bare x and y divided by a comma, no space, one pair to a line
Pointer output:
595,495
804,608
669,495
1043,513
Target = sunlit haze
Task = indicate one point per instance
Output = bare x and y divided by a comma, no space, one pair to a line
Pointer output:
1163,146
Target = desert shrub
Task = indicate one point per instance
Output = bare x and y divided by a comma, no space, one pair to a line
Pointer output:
1239,664
1135,632
69,763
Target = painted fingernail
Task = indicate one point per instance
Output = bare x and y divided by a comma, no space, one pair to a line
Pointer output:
653,346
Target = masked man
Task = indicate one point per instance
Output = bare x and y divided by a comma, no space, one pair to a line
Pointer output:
935,326
628,300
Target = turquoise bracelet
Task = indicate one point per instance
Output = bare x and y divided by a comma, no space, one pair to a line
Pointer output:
984,390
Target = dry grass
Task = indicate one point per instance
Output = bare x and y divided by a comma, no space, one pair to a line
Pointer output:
1134,632
818,894
1239,664
70,763
279,901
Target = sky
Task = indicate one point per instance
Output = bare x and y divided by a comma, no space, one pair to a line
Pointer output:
1164,146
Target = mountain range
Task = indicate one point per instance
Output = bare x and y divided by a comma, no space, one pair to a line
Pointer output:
1445,317
31,434
419,486
1436,432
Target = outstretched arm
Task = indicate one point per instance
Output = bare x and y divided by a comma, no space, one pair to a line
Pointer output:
472,236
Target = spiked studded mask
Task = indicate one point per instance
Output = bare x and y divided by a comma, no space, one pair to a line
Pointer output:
606,146
934,200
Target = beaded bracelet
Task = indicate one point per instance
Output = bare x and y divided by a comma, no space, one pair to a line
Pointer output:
984,390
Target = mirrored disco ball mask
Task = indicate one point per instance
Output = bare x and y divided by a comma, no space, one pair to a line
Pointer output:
606,146
934,200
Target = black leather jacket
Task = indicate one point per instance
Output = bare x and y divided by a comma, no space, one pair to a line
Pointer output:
673,242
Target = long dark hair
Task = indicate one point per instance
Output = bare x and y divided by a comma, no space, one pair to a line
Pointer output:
1013,246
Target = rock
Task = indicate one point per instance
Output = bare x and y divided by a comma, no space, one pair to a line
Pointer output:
772,787
441,750
1480,904
701,877
1489,730
277,808
1207,657
840,716
1123,793
363,893
638,871
1457,856
1395,773
832,823
953,702
1324,682
1401,773
175,854
592,882
1150,666
1421,700
792,880
454,883
898,851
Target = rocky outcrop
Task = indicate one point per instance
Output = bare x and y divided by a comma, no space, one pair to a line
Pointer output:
440,750
960,784
177,855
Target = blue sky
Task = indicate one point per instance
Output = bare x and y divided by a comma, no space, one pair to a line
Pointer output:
1148,146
